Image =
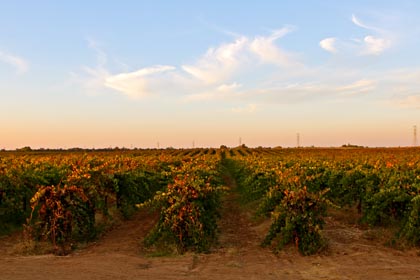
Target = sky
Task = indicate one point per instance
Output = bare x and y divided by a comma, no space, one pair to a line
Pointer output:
99,74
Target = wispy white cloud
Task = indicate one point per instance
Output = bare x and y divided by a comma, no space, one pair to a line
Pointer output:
229,59
406,102
140,83
228,87
133,84
328,44
360,86
297,93
265,49
215,27
20,64
323,89
210,77
247,70
218,64
101,56
357,22
95,80
221,92
96,75
401,88
198,97
375,45
250,108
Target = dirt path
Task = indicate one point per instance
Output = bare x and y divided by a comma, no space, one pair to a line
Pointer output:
119,255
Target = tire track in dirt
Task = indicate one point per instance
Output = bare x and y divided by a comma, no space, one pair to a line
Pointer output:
126,237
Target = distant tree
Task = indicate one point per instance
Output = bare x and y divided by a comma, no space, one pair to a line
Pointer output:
351,146
24,149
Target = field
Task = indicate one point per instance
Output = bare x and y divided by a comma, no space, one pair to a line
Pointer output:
230,213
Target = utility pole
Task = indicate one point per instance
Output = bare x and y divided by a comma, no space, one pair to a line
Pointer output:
240,141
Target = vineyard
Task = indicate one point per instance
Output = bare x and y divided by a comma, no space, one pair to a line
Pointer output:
60,196
63,200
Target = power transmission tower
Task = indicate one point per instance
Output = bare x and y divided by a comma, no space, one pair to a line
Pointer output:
415,136
297,140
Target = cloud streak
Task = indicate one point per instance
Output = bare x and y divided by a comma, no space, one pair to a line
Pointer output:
213,76
101,56
222,92
140,83
328,44
219,63
373,44
21,65
357,87
359,23
407,102
265,49
249,70
222,63
250,108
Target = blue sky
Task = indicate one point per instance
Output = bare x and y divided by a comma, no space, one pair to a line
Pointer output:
134,73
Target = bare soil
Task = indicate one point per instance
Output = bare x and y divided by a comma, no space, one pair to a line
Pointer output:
352,253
